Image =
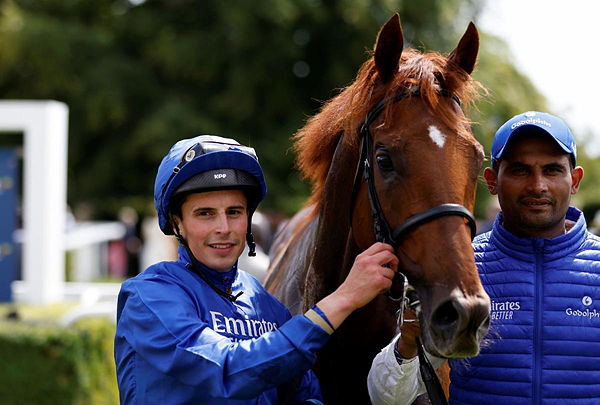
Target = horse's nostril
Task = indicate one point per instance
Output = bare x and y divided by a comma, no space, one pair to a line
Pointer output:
445,316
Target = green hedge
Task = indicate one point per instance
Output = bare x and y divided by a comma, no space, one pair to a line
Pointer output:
42,363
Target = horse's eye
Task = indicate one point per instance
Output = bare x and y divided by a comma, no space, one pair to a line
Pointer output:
385,163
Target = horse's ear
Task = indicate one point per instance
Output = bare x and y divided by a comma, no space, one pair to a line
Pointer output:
388,48
465,54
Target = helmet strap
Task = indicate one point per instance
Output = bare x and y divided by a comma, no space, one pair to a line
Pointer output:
251,244
180,238
250,238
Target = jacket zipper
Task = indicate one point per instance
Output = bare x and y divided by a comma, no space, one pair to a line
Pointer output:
538,314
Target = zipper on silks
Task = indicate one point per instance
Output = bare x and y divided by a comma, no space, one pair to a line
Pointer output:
538,315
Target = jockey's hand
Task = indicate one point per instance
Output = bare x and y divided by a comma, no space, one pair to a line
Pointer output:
370,275
410,331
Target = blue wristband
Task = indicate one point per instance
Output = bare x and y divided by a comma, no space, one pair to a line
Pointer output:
322,315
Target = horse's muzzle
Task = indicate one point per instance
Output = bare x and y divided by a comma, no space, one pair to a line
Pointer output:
457,325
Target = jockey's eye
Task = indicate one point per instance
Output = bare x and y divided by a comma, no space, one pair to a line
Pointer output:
384,162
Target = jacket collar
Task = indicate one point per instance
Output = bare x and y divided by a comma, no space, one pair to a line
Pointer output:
558,246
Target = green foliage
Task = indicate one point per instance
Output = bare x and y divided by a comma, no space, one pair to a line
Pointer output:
139,75
46,364
138,78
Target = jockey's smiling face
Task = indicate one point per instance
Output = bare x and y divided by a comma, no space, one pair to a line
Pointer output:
214,225
534,181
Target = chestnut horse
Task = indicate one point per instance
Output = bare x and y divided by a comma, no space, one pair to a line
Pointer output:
390,158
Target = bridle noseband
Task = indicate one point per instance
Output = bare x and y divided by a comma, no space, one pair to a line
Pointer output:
364,171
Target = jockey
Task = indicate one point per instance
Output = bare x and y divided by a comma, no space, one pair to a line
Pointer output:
200,330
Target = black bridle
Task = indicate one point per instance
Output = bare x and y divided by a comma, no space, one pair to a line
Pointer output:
382,229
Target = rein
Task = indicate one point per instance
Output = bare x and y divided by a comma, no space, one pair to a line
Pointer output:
384,232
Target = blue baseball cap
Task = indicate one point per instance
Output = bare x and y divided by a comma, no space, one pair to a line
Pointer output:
534,120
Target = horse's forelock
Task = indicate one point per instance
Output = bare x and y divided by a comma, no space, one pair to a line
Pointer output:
315,143
433,72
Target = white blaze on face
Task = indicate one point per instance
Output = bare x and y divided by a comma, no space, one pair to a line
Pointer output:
436,136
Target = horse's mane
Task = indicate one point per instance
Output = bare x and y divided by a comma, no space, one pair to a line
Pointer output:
315,143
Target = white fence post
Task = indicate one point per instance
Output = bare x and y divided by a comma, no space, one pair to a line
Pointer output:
44,125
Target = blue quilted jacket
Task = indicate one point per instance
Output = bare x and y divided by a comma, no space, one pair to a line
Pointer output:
179,342
544,341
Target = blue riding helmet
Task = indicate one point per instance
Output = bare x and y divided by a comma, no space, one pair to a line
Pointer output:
207,163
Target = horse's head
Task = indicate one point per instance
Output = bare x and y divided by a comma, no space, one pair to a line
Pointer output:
402,115
423,162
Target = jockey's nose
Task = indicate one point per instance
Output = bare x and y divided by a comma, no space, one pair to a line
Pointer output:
222,223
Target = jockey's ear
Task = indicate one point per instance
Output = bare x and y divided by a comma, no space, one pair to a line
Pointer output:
388,48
